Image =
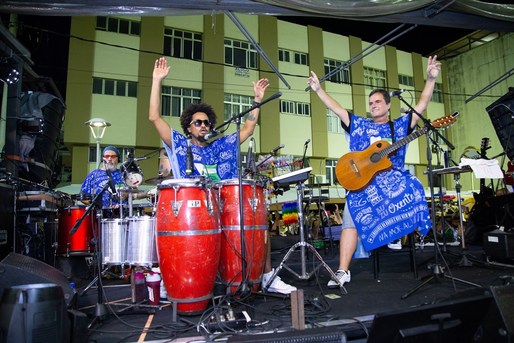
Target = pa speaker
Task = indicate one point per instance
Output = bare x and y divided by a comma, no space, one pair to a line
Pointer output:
501,113
16,269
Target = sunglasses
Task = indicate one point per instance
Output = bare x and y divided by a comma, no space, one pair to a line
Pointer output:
199,122
110,156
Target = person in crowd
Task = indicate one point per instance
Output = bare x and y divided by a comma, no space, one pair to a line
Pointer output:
361,133
216,159
96,180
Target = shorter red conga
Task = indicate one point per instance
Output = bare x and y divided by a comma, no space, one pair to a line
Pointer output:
78,243
255,226
188,242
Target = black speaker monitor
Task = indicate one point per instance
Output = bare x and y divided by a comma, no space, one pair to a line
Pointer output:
449,321
501,113
17,269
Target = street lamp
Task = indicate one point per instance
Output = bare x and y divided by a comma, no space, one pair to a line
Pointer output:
97,126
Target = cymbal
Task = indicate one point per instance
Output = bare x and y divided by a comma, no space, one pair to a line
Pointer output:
131,190
157,180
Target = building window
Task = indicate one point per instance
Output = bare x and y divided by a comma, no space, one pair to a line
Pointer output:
406,80
374,78
333,123
437,96
235,104
284,55
125,26
174,100
182,44
330,169
114,87
301,58
240,54
295,107
341,76
298,57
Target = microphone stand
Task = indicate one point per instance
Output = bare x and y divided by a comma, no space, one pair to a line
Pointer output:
100,310
305,146
437,269
243,288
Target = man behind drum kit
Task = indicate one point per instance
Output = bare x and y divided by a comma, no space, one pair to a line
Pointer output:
192,155
96,180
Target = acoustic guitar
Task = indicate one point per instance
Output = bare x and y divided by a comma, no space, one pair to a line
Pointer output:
356,169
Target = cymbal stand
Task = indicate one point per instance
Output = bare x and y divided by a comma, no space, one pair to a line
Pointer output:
437,269
303,246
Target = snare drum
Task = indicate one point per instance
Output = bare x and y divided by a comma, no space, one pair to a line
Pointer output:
78,243
255,226
188,242
141,246
113,241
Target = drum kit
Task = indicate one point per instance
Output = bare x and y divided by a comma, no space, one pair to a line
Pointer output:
191,229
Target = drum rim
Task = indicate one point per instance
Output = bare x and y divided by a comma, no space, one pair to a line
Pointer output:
236,182
170,183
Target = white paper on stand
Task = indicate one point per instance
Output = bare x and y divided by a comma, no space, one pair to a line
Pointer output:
482,168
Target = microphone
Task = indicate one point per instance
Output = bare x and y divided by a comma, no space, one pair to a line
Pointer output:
212,134
307,142
189,159
274,151
111,181
396,93
249,155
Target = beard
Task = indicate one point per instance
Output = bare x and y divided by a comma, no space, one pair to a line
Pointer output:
110,166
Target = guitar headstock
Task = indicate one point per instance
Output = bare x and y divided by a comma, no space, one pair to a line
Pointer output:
445,121
484,146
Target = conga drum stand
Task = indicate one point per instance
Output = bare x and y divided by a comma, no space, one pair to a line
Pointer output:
298,177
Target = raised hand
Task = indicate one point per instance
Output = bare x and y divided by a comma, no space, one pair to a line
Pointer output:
313,82
161,68
259,88
433,67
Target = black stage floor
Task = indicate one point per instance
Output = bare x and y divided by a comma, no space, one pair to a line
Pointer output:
352,313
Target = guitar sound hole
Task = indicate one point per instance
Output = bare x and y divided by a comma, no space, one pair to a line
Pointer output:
375,157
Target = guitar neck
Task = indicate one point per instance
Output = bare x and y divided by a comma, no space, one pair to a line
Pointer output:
405,140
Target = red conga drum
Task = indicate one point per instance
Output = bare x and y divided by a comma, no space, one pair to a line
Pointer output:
188,242
79,243
255,226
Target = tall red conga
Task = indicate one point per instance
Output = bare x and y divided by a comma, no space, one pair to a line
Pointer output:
255,225
188,242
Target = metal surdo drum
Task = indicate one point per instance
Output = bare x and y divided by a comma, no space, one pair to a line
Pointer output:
80,242
113,241
255,225
188,242
141,245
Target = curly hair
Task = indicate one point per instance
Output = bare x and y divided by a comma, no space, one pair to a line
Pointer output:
386,95
187,115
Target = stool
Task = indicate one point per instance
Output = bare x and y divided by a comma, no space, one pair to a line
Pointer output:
412,257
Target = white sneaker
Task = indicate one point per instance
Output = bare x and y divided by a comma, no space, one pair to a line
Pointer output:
342,276
395,245
277,285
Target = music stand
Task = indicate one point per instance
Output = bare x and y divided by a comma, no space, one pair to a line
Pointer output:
298,177
456,171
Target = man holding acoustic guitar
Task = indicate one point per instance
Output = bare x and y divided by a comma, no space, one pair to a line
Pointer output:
384,202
